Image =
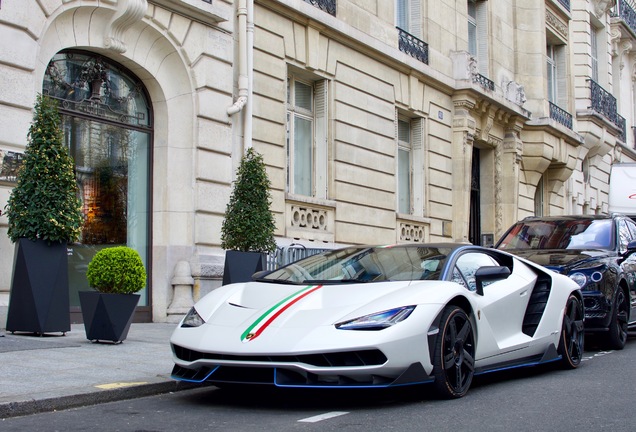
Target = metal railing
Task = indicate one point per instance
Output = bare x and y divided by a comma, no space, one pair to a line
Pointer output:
624,10
565,4
603,102
484,82
560,115
288,254
328,6
620,122
412,46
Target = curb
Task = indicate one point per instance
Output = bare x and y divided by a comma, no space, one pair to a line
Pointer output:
29,407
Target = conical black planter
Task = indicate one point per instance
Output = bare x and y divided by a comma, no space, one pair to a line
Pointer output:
240,266
39,301
107,317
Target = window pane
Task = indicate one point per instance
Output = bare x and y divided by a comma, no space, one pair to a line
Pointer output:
401,16
303,163
404,181
111,166
303,96
404,132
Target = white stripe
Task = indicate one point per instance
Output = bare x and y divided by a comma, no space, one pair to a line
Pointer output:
325,416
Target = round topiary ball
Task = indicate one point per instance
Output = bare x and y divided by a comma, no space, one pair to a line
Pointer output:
117,270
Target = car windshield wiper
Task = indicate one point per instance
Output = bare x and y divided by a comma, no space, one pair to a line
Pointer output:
336,281
279,281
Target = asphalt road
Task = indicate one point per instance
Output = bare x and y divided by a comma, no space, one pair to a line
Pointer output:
597,396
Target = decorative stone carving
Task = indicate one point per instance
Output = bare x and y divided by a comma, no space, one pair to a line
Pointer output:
309,218
556,24
514,92
601,7
127,14
410,232
465,65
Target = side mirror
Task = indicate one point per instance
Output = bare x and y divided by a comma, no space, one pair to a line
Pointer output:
490,274
631,248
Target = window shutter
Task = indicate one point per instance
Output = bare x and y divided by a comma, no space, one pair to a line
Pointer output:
482,37
561,77
321,125
416,18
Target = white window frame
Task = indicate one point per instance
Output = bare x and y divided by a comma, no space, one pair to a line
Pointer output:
478,39
317,116
410,201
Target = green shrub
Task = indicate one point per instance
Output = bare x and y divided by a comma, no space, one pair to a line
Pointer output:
117,270
249,224
45,202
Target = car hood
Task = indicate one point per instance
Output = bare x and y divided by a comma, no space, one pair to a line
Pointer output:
309,306
561,260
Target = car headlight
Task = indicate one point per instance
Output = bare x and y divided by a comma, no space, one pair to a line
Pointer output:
192,319
579,278
588,277
377,321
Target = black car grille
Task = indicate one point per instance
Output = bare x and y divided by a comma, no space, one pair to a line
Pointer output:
334,359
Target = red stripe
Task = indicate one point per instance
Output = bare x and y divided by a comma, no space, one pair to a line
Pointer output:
277,314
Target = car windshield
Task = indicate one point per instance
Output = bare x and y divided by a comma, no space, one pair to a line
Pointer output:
559,234
364,264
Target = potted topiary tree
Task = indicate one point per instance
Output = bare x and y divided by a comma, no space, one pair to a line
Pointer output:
247,232
44,214
117,274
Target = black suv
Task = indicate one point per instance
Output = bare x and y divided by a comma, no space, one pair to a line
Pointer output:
597,252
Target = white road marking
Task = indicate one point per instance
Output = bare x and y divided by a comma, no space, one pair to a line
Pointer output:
324,416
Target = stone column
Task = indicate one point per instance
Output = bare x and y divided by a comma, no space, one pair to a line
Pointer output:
182,299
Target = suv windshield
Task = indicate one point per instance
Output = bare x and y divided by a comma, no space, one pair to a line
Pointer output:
559,234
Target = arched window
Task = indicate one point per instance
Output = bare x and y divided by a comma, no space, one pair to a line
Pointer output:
107,124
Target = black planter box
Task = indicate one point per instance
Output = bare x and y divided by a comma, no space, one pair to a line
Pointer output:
240,266
39,301
107,317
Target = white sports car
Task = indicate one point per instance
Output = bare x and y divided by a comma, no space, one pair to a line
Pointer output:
381,316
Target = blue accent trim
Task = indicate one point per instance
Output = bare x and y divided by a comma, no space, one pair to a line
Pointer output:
353,386
517,366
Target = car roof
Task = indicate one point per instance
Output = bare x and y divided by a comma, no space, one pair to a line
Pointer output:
569,218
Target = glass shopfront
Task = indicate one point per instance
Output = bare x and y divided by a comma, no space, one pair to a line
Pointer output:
107,125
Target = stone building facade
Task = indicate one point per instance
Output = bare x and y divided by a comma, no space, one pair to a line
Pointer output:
379,121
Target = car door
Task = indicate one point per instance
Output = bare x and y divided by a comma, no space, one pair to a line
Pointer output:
500,311
627,233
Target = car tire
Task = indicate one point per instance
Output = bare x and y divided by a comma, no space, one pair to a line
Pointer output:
571,339
617,336
454,355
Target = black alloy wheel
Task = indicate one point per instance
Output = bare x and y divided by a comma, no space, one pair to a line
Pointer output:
454,360
572,334
618,325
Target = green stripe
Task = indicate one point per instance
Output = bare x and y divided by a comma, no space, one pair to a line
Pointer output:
270,310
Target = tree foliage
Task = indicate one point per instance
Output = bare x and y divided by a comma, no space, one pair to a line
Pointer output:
249,224
117,270
45,202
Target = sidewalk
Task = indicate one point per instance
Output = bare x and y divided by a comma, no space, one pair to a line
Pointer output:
55,372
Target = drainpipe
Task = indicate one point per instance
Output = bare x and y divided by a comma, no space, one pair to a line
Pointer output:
244,13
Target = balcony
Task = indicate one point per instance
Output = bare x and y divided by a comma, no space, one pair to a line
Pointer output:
484,82
413,46
605,104
624,10
560,115
328,6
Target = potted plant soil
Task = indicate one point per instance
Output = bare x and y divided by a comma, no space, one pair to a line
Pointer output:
117,274
247,232
44,215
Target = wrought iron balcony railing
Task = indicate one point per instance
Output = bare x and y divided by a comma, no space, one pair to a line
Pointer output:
412,46
634,135
620,122
603,102
328,6
565,4
560,115
484,82
624,10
